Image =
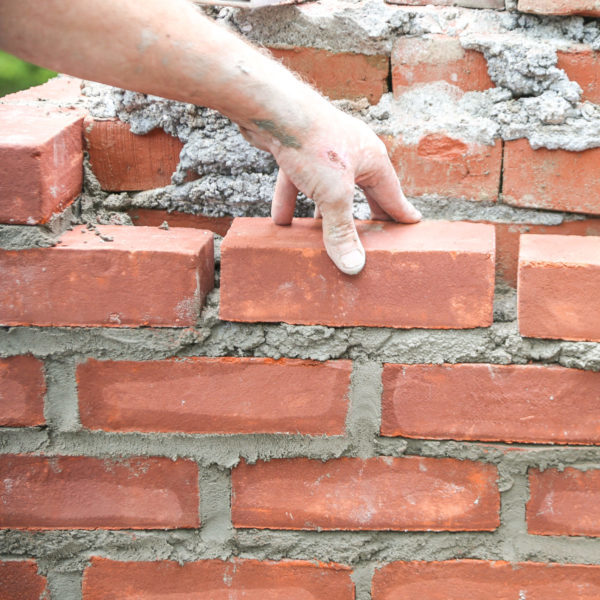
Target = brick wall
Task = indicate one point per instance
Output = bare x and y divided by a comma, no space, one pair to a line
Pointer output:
262,426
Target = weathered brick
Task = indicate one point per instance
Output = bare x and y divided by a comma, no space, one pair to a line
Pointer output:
489,580
215,395
582,64
470,402
22,390
446,166
93,493
551,179
41,162
151,217
144,276
559,279
213,579
425,59
508,236
123,161
565,502
384,493
339,75
273,273
587,8
19,580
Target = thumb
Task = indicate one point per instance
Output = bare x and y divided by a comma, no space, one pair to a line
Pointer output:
341,238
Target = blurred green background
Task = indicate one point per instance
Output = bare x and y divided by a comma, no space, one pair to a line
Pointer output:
16,74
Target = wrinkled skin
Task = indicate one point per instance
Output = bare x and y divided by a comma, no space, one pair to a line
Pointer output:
167,48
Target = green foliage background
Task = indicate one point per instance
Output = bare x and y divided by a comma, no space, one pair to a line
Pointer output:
16,74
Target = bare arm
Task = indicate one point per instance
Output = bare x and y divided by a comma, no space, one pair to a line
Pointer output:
167,48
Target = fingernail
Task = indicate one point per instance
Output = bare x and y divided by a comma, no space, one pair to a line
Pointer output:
417,213
352,262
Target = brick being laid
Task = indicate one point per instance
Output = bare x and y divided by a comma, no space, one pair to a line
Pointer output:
432,274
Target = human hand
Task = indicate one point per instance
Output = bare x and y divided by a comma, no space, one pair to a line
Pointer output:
324,162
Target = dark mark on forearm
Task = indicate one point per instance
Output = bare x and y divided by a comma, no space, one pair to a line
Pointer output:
285,138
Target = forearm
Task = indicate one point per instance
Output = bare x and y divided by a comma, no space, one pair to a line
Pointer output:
165,48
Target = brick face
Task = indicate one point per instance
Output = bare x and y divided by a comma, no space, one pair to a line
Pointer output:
384,493
150,217
489,580
422,60
272,273
559,279
588,8
41,162
564,502
582,64
532,404
216,579
550,179
22,390
338,75
449,167
124,161
92,493
215,395
19,580
144,276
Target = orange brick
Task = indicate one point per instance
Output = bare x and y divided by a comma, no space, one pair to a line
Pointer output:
469,402
41,162
22,390
551,179
213,579
66,89
19,580
449,167
564,502
587,8
489,580
559,279
383,493
339,75
153,218
509,234
421,60
77,492
123,161
145,276
582,64
215,395
272,273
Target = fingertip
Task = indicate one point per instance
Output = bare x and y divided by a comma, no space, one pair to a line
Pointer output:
352,262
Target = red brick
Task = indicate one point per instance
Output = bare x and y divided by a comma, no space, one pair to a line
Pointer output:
531,403
214,579
92,493
449,167
384,493
587,8
19,580
485,580
123,161
559,279
65,89
41,162
564,502
422,60
551,179
273,273
215,395
145,276
339,75
153,218
509,234
582,64
22,390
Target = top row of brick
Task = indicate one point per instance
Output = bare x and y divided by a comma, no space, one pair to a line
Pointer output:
586,8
